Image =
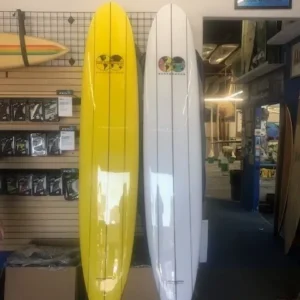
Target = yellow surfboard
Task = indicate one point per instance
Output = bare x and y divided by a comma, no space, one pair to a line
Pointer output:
108,153
37,50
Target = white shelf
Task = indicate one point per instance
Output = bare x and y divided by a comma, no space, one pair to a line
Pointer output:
262,70
286,35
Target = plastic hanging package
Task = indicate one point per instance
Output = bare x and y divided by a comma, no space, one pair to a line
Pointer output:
24,184
7,143
53,143
4,110
2,186
39,184
11,182
55,183
38,144
22,144
19,110
51,110
36,110
71,184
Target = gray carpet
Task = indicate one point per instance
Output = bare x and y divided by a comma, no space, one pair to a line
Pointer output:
245,262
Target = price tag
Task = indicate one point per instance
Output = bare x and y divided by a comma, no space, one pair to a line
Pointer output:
65,106
67,140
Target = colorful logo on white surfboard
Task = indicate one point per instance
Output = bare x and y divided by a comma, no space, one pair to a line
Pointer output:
169,65
113,63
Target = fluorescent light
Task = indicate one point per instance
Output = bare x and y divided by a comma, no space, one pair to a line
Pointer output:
227,99
235,94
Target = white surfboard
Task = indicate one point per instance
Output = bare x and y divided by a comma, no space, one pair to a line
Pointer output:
172,154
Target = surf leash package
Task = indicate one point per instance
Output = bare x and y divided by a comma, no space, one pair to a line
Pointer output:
38,144
53,143
39,184
55,183
71,184
24,184
19,110
2,184
11,182
22,144
7,143
5,110
36,110
51,110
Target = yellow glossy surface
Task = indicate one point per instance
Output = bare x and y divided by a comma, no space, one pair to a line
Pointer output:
108,153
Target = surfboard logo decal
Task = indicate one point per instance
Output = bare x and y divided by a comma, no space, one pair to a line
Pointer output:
107,63
178,64
165,64
169,65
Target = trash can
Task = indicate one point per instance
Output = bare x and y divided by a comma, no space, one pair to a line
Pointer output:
236,184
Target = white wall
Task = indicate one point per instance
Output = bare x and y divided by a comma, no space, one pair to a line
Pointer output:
195,9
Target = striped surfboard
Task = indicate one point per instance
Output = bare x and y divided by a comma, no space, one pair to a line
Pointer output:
38,50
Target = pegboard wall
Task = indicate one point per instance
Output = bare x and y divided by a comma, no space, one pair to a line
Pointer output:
70,29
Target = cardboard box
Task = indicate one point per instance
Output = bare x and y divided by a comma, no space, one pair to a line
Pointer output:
37,283
140,285
43,283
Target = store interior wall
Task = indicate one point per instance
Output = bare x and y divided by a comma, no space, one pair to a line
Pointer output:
196,10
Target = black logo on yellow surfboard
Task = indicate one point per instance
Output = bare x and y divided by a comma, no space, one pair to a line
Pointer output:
171,65
113,63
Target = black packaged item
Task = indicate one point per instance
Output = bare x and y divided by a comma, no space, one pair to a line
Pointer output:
22,144
39,184
38,144
11,181
2,185
53,143
19,110
7,142
71,184
4,110
25,184
55,183
36,110
51,110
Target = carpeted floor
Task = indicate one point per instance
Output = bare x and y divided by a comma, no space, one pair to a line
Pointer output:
245,262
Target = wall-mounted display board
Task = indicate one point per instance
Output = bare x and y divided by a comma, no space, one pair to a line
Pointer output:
263,4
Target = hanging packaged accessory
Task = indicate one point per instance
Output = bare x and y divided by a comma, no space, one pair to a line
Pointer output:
4,110
53,143
71,184
51,110
38,144
2,185
22,144
7,142
39,184
36,110
55,183
11,181
19,110
25,184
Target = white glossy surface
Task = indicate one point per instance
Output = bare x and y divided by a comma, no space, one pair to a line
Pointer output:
172,156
